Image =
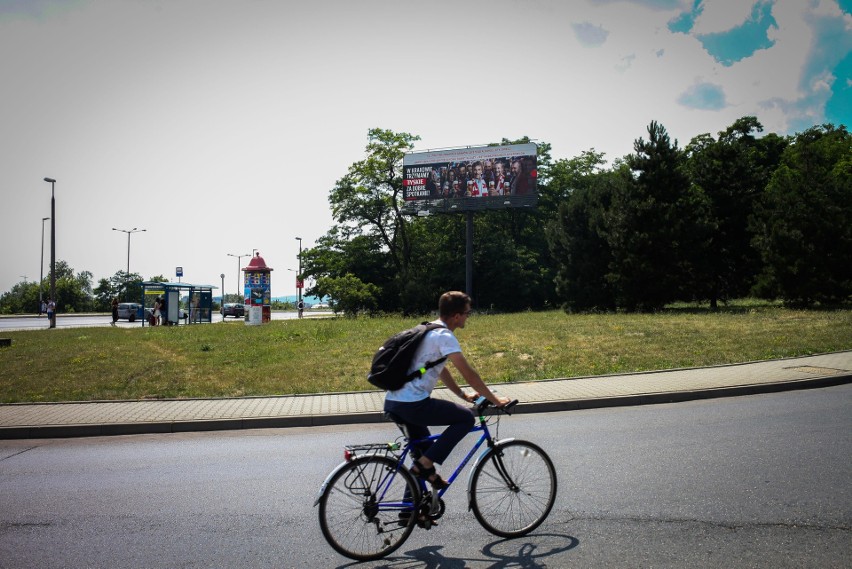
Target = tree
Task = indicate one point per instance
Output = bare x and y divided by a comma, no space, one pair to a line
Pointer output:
104,293
367,201
513,266
656,227
73,292
341,252
802,220
348,294
577,236
732,172
23,298
126,286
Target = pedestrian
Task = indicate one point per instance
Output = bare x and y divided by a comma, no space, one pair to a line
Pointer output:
412,403
51,309
114,311
42,309
158,308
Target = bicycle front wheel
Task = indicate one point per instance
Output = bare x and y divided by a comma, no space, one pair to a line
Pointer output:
513,488
367,510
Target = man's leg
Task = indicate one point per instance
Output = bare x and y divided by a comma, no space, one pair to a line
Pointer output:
434,412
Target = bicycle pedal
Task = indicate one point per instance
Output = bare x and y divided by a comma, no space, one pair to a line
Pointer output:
427,524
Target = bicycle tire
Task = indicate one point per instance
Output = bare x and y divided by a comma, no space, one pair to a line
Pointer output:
513,511
359,512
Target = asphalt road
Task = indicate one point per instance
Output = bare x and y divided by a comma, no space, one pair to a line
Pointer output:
758,481
80,321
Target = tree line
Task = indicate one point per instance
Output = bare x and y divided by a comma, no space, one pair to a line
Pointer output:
75,294
74,291
725,217
722,218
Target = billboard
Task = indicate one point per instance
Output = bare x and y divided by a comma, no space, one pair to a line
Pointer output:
465,179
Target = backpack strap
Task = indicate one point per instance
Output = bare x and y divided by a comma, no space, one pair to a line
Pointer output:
428,365
422,371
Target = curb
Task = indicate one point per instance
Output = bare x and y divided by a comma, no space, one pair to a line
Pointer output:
115,429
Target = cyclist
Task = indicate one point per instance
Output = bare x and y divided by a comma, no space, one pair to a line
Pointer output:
413,403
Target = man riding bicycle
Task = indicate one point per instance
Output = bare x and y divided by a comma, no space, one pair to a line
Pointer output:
412,403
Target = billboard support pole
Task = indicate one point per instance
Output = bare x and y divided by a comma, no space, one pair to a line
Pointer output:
468,269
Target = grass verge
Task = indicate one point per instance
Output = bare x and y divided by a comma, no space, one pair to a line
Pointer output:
332,355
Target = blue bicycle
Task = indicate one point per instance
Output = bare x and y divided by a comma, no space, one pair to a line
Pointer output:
370,503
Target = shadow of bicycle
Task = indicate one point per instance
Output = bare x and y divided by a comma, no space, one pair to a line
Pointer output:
528,552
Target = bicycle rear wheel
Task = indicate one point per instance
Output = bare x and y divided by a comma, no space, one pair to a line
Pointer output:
367,510
513,488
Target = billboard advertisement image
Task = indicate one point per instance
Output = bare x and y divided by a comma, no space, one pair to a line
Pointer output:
465,179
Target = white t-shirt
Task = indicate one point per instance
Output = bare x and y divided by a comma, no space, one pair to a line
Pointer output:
437,343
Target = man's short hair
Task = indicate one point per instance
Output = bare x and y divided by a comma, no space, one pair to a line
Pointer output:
452,302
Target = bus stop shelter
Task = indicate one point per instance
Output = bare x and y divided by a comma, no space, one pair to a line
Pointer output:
199,302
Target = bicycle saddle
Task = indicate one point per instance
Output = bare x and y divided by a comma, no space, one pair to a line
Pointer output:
399,423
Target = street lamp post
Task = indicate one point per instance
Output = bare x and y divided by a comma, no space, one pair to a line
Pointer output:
129,233
52,249
41,266
127,275
238,271
299,306
222,302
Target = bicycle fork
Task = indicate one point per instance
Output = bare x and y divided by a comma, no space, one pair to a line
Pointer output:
497,459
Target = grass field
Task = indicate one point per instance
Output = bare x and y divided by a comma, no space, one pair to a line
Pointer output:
331,355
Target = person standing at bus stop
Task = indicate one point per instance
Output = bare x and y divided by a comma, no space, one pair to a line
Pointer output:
158,311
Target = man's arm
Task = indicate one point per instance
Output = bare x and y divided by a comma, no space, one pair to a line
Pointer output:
448,380
471,377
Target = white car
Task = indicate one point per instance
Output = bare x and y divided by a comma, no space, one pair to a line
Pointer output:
128,311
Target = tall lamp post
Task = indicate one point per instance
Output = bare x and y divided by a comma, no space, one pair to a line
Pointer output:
238,271
41,266
129,233
52,249
127,275
300,306
222,302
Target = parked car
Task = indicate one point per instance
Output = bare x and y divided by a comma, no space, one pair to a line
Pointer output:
234,309
128,311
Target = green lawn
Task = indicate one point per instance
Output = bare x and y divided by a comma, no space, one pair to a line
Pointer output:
329,355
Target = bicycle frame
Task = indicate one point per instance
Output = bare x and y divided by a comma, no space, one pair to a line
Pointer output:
409,446
388,449
486,436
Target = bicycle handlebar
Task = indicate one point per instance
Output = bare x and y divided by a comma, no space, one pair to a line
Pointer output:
482,404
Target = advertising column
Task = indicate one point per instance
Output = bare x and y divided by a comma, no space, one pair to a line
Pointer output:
258,291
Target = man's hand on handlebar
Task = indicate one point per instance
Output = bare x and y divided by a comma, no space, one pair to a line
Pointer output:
470,397
476,398
503,401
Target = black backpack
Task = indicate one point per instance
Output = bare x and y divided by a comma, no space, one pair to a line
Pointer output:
393,360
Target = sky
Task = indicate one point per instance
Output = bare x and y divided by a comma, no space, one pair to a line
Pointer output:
219,127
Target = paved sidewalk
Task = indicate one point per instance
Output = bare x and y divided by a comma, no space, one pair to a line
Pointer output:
47,420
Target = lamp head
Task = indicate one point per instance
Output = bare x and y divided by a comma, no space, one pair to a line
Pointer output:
51,180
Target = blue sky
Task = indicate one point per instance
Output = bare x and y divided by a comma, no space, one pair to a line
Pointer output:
220,126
